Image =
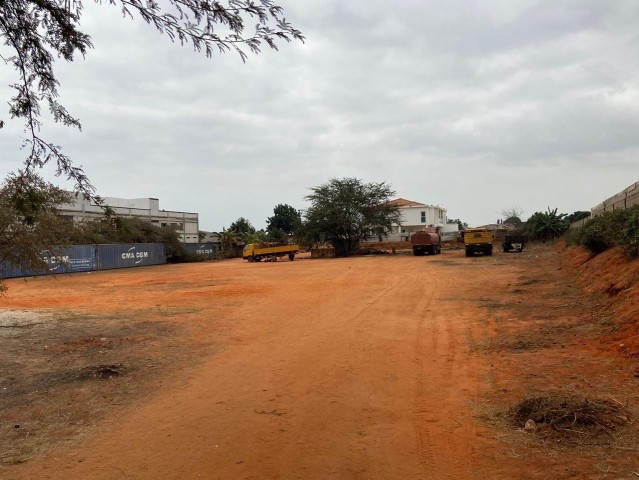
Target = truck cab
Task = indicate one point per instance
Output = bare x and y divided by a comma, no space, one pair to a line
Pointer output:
248,250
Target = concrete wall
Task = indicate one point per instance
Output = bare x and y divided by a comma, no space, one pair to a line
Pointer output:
627,198
624,199
580,223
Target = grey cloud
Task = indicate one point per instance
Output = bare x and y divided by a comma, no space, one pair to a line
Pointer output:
435,97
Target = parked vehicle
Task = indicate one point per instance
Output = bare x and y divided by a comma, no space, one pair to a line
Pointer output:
514,243
478,240
256,252
428,240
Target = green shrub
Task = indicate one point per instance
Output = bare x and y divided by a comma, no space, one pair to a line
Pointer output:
573,236
596,235
630,233
619,227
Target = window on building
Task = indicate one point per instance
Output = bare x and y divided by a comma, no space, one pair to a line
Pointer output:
423,217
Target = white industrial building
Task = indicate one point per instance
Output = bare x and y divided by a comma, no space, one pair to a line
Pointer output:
185,224
416,216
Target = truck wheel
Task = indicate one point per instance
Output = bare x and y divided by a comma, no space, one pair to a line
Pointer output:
489,252
258,259
291,256
250,259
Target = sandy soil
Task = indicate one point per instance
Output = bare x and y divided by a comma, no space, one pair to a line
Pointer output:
377,367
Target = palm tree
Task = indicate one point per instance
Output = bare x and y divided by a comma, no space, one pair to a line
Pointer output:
547,225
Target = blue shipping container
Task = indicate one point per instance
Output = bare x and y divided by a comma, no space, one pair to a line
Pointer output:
206,250
129,255
76,258
85,258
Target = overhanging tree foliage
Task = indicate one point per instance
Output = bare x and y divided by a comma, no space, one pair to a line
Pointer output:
29,223
37,31
347,210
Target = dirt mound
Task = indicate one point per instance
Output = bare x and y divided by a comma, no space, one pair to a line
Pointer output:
612,274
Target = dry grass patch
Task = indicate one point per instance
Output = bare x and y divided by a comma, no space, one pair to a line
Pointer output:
569,417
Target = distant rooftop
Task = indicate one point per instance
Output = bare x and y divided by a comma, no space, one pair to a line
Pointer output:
402,202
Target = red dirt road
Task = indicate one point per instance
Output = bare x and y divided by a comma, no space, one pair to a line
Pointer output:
360,368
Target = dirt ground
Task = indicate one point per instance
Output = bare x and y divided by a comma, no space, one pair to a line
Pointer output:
373,367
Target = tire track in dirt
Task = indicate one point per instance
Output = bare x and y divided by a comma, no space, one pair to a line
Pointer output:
446,384
340,369
422,414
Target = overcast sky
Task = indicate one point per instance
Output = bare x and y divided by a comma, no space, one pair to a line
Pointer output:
475,106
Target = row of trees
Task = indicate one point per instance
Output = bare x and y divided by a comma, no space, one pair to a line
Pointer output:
342,212
283,225
346,211
542,226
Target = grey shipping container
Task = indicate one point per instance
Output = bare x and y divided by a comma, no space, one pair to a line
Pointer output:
206,250
129,255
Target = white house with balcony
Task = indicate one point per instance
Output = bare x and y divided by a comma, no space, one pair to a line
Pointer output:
416,216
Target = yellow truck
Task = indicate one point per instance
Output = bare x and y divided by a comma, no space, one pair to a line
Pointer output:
478,240
256,252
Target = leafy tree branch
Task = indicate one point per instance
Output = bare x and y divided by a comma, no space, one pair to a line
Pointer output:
38,31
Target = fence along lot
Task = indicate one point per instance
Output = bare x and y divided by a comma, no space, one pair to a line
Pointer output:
627,198
624,199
